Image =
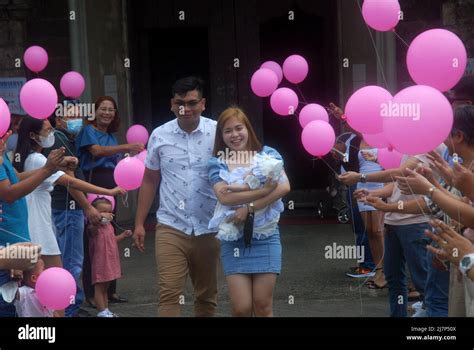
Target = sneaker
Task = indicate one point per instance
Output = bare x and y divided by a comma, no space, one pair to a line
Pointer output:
104,313
420,312
361,272
111,314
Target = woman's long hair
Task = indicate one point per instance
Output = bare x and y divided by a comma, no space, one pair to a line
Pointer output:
226,115
25,143
115,124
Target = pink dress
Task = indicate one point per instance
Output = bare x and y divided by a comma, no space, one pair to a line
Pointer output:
104,255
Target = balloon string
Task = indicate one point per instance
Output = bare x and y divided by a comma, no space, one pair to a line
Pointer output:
301,93
379,60
125,200
399,37
334,171
13,234
119,227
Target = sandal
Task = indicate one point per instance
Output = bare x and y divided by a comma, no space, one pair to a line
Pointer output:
372,285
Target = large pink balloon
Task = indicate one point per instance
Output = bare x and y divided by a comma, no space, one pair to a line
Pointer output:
92,197
284,101
137,134
142,156
318,138
313,112
381,15
389,159
72,84
364,107
5,117
376,140
36,58
418,120
275,67
437,58
264,82
39,98
128,173
295,69
56,288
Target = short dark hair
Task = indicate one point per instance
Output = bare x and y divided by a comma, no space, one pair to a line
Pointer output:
464,122
182,86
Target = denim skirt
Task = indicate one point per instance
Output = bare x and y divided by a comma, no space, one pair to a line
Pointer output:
263,256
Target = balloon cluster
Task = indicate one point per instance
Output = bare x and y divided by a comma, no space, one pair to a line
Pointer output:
38,97
419,118
318,136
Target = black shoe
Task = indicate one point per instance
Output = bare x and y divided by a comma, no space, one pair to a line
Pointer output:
117,299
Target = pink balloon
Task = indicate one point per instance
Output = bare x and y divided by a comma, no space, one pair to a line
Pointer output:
264,82
137,134
128,173
56,288
5,117
381,15
295,69
389,159
36,58
38,98
284,101
376,140
92,197
364,107
318,138
142,156
437,58
313,112
418,120
275,67
72,84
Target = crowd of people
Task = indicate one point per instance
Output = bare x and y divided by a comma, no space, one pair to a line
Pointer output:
220,201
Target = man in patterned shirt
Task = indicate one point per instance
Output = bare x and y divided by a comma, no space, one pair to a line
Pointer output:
178,152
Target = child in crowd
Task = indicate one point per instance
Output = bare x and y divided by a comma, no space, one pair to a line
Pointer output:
104,255
27,303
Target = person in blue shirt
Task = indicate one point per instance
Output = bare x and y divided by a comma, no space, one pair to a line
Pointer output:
98,152
14,213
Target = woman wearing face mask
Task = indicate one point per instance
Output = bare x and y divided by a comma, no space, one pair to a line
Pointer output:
34,136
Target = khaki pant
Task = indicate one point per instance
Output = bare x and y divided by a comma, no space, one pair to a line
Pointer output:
178,255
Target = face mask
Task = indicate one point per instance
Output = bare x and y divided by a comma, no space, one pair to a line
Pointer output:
46,142
74,126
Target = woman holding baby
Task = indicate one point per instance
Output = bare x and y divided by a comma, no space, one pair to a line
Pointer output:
249,182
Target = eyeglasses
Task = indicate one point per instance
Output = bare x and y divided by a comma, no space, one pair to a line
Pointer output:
191,104
110,110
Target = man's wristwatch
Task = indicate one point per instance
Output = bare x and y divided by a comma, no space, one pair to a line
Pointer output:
251,208
466,264
363,178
